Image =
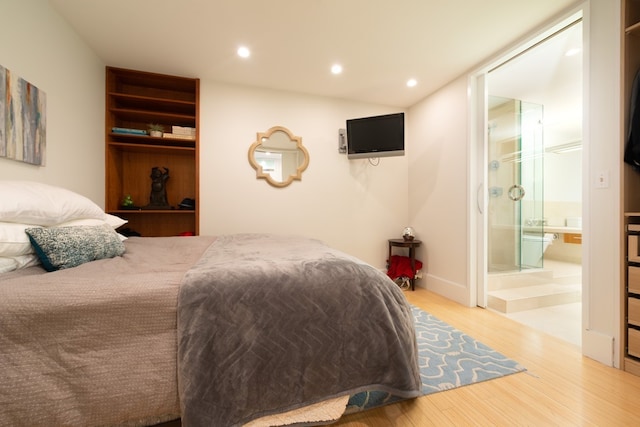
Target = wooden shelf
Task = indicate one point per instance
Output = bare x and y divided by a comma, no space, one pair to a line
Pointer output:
151,116
125,100
633,28
133,100
142,143
152,211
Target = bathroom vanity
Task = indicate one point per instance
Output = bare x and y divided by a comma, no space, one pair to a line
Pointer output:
560,243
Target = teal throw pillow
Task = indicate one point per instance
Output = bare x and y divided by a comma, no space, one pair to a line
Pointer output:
65,247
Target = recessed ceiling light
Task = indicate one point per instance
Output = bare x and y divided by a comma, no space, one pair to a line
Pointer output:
336,68
411,82
244,52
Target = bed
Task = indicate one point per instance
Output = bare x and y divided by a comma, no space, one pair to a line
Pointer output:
245,329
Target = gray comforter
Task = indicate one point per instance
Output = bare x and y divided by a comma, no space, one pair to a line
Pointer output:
268,324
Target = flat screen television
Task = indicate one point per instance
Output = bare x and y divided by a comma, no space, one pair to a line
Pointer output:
377,136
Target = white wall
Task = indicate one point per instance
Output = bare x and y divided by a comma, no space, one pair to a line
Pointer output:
438,193
563,177
40,47
602,215
350,204
439,186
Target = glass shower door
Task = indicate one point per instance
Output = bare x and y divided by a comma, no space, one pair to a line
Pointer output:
515,178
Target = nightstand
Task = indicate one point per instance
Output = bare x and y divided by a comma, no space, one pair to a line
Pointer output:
412,245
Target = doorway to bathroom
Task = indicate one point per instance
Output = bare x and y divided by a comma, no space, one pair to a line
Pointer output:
534,185
515,180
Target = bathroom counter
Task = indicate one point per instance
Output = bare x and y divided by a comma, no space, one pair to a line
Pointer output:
563,230
552,229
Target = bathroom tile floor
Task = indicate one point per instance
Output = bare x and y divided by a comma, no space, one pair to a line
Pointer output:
563,321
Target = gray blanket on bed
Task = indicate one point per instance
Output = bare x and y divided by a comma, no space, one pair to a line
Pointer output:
271,323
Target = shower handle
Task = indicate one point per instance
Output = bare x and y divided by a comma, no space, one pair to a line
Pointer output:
516,192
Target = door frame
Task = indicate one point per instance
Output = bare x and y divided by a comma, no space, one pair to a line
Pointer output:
478,103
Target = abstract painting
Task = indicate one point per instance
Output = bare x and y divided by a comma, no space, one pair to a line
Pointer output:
22,120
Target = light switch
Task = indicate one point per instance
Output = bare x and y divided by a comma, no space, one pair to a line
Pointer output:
602,179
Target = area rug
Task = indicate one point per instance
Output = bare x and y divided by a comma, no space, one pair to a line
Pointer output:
448,359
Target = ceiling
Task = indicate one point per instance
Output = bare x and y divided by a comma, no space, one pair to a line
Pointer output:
548,74
294,43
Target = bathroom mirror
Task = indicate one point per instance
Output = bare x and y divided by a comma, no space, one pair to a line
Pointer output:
278,156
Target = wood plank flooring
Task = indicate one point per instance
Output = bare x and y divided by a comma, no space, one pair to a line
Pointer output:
560,387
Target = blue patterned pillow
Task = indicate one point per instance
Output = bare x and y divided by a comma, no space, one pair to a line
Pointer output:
66,247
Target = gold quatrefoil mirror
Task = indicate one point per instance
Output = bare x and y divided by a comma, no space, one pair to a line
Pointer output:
278,156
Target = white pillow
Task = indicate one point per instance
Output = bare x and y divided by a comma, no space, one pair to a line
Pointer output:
111,220
30,202
13,240
22,261
7,264
115,221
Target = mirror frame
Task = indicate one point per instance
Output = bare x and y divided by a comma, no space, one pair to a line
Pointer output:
266,135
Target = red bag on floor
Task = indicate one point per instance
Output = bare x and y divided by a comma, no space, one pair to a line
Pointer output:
401,266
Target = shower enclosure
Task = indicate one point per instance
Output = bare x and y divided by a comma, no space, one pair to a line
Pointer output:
515,185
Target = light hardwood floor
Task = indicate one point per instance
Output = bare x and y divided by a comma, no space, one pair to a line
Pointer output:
560,387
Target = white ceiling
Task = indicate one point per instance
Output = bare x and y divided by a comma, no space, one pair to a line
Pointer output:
545,75
381,44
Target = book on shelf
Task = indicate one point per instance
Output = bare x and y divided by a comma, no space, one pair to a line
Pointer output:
178,136
183,130
128,131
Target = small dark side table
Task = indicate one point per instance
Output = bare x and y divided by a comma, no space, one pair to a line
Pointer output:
412,245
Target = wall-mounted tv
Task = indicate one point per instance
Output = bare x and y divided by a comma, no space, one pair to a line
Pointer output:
377,136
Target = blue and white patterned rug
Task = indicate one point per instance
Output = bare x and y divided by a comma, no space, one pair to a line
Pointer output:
448,359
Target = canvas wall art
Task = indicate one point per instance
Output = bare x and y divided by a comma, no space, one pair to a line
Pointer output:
22,120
